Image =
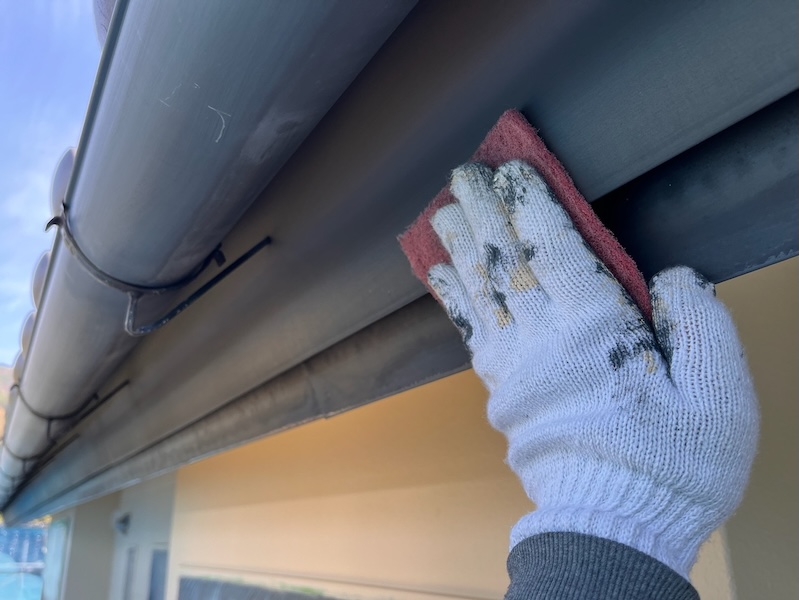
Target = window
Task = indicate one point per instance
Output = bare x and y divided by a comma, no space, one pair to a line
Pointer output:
158,575
130,574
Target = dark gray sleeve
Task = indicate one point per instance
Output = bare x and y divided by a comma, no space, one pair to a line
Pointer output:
573,566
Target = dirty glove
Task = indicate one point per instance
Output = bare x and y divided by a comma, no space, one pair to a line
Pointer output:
615,430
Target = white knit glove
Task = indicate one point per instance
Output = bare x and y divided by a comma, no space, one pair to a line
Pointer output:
615,431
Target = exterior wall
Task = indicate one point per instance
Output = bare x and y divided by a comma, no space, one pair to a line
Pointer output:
712,575
409,497
150,507
404,498
764,533
86,571
407,494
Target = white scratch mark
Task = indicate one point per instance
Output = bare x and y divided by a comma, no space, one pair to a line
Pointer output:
196,86
164,100
222,116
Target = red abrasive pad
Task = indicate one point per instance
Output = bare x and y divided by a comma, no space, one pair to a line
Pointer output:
513,138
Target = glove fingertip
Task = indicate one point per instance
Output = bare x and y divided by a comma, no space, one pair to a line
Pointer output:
448,222
443,279
681,277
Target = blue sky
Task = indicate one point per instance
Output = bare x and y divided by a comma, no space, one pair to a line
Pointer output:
48,59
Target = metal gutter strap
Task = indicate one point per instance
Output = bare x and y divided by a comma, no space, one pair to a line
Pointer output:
417,344
135,292
136,330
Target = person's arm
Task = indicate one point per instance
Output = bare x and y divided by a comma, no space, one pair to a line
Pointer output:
634,440
574,566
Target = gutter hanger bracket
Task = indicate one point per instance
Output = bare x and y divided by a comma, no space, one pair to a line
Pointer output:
89,406
135,292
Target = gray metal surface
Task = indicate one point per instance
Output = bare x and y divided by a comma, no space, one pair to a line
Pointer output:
196,107
616,88
408,348
417,343
726,207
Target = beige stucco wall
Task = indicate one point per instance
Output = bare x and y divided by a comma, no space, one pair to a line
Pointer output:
764,533
409,493
404,498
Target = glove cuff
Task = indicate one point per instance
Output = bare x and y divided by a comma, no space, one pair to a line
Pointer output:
674,539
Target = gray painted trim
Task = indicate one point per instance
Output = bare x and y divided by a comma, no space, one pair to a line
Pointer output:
725,207
413,346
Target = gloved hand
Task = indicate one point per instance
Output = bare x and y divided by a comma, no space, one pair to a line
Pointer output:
616,430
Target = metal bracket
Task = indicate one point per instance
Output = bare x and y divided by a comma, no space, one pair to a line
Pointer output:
133,297
85,409
136,292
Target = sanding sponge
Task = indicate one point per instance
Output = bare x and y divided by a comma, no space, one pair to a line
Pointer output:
512,138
